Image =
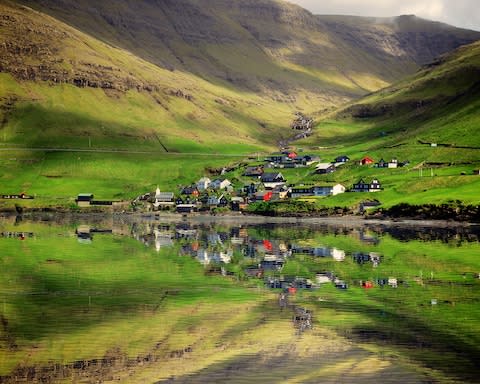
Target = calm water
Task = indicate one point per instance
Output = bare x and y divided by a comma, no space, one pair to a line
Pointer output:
151,302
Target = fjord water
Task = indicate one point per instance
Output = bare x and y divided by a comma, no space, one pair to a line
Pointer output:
151,302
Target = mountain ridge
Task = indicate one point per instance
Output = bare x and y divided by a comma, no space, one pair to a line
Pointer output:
292,49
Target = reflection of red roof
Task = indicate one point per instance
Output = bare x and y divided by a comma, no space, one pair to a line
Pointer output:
368,284
267,245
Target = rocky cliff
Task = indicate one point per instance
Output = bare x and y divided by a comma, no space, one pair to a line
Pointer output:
264,46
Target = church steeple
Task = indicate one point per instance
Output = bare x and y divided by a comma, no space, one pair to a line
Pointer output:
157,193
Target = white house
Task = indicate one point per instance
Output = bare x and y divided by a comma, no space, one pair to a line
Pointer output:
272,180
331,190
220,184
393,163
203,184
338,254
163,199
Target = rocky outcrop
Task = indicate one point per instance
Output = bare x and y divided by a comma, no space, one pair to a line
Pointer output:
33,50
264,46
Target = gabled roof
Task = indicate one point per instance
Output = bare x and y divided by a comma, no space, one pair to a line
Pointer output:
272,177
165,196
85,195
324,165
367,158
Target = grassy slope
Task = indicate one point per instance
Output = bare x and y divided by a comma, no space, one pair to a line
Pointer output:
329,58
439,104
44,114
219,120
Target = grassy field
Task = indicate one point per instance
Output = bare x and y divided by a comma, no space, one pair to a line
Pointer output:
56,178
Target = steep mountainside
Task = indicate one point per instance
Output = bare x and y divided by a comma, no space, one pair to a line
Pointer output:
213,72
266,46
440,104
62,88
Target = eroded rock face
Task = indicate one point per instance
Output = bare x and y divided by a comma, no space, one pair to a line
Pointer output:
31,48
252,44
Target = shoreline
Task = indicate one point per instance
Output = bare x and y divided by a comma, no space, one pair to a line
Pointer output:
346,220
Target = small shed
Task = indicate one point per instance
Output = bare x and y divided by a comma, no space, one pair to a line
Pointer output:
84,199
324,168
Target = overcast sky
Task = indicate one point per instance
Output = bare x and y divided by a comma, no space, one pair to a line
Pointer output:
461,13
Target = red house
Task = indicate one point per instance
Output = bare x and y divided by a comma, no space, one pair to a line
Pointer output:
366,161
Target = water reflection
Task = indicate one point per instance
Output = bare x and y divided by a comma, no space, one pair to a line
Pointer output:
102,300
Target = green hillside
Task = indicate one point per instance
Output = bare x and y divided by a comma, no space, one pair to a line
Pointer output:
62,88
269,47
430,119
79,114
439,104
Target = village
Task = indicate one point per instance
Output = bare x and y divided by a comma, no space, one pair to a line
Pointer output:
260,182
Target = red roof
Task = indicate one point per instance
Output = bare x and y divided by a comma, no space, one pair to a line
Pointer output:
367,160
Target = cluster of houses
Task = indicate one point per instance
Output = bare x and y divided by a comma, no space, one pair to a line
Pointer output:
267,184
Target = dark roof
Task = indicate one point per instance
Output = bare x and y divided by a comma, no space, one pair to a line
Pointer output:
84,197
189,190
272,177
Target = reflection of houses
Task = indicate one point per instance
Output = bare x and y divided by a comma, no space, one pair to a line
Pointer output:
289,282
185,232
205,256
324,277
272,263
367,237
163,238
84,235
362,186
365,258
336,254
